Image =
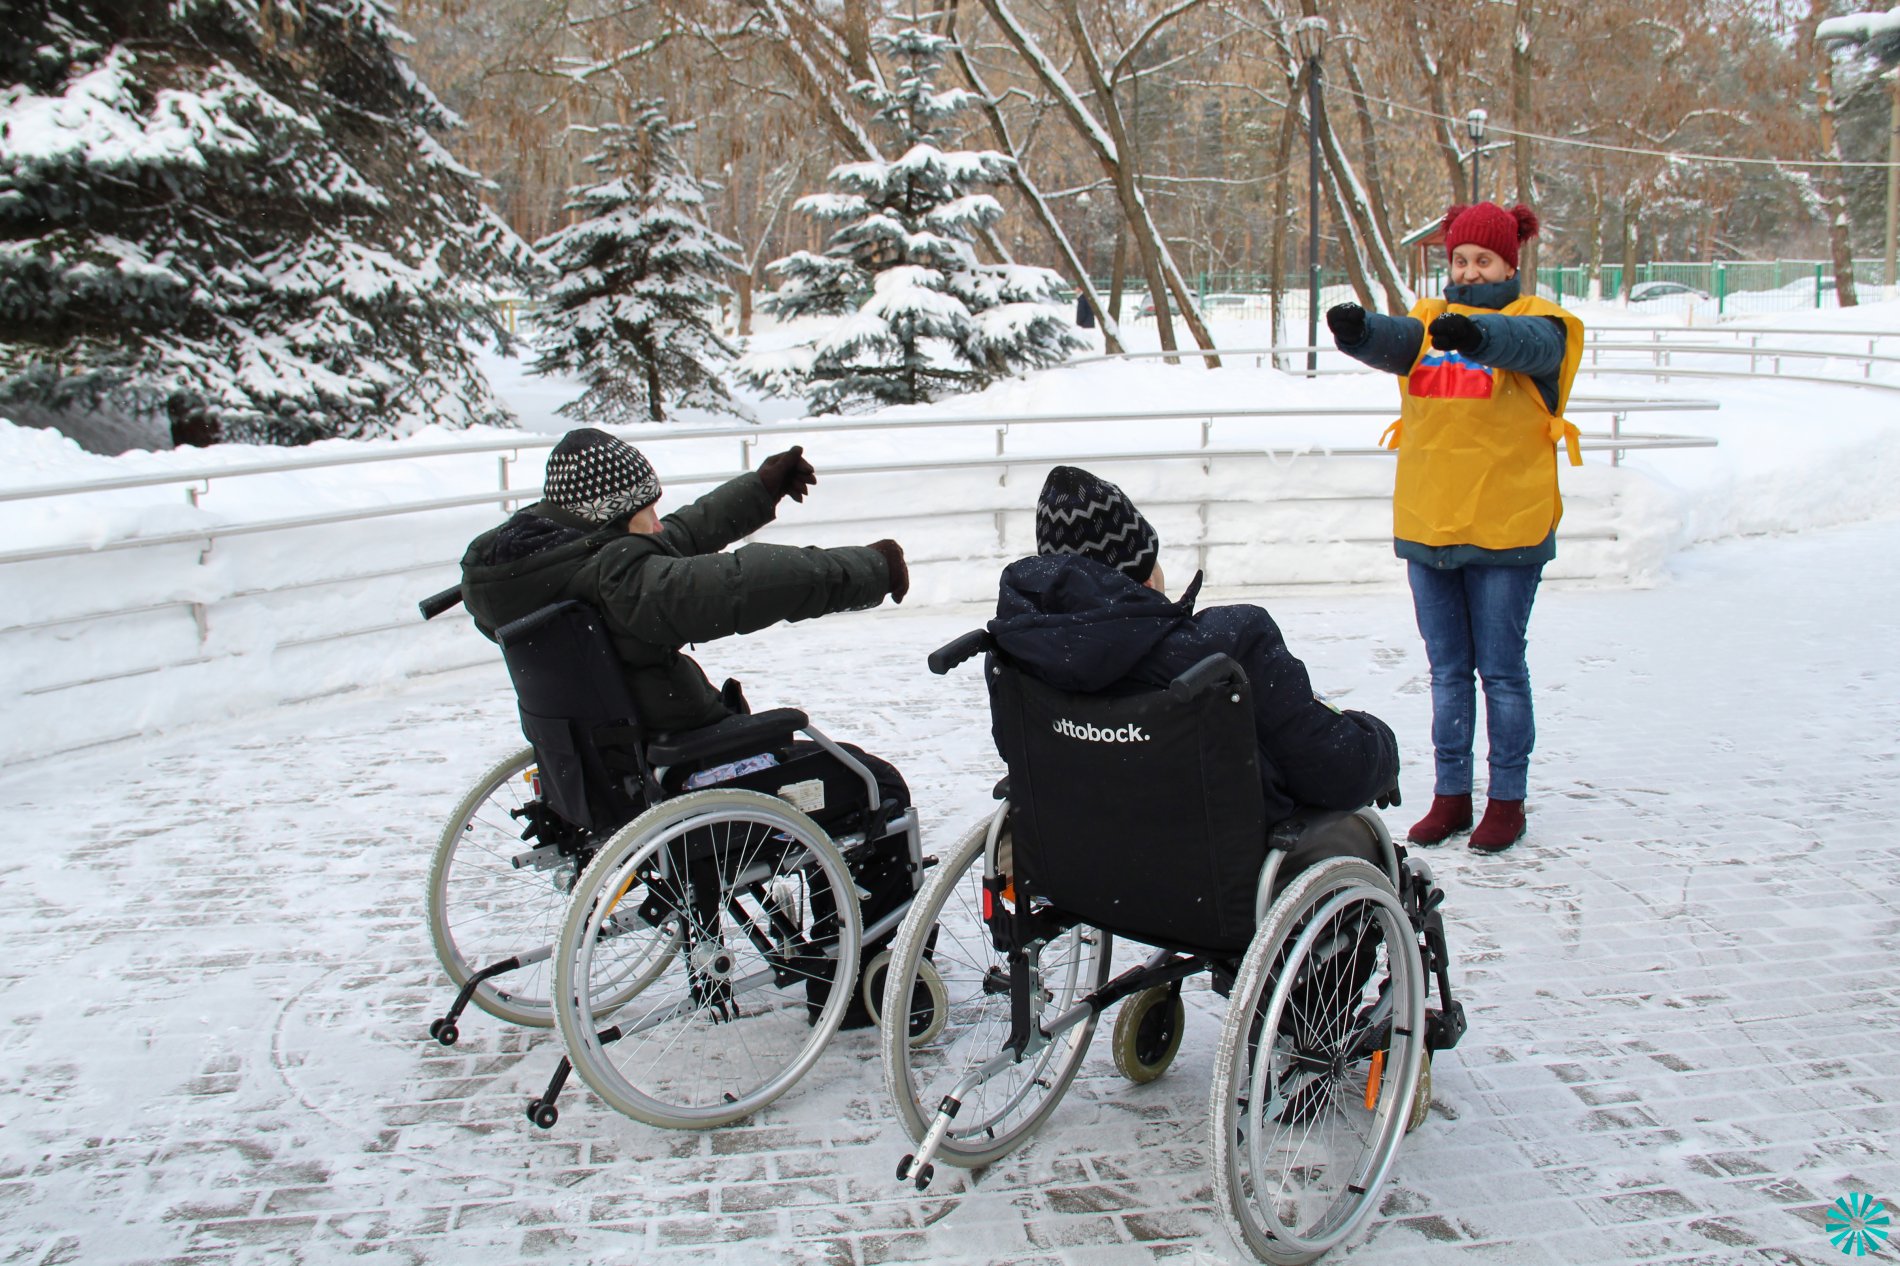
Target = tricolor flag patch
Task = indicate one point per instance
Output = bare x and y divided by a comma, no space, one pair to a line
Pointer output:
1449,376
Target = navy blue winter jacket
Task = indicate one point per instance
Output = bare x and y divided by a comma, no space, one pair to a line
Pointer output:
1080,626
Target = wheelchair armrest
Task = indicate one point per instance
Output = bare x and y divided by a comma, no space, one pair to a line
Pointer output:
734,736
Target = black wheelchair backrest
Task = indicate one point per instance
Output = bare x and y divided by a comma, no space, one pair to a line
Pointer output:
1141,813
575,709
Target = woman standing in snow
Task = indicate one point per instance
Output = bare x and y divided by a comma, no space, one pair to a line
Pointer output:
1484,374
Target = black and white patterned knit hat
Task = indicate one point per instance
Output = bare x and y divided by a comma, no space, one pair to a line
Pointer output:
599,477
1078,513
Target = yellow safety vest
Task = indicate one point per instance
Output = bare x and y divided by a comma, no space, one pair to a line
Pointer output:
1477,446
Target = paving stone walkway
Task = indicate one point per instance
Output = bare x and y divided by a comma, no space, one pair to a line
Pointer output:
1684,986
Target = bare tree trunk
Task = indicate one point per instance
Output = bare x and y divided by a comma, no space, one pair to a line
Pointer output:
1107,317
1122,172
1592,287
1628,278
1119,272
1289,124
1442,135
1837,235
1359,229
1369,143
1111,157
1348,244
1521,144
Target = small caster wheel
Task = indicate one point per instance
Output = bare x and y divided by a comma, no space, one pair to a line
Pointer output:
924,1176
542,1114
903,1167
445,1032
929,999
1148,1033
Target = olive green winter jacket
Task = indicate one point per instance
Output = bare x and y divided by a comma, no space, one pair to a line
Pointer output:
659,592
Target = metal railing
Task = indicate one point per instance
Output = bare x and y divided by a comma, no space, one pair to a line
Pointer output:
1616,441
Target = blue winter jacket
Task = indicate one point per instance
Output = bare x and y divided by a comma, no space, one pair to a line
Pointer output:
1080,626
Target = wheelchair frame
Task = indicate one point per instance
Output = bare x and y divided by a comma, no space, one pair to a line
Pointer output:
689,918
1269,1042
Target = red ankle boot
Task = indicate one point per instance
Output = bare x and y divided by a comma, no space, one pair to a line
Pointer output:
1502,827
1449,815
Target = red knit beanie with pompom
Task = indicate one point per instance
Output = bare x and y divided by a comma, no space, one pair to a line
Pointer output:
1491,227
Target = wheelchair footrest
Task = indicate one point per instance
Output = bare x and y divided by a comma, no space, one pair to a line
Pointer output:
1444,1028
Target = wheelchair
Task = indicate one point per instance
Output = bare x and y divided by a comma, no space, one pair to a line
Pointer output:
1140,816
684,909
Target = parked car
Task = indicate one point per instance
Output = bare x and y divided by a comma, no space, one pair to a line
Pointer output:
1651,291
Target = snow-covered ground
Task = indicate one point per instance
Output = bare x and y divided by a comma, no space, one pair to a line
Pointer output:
1684,1035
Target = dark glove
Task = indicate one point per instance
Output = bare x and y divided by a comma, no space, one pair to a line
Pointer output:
1387,798
893,555
1455,333
1347,321
788,474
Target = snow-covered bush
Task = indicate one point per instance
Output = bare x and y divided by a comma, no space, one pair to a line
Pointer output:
233,217
920,316
640,279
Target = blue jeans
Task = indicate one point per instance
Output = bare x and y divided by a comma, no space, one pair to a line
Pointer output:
1474,618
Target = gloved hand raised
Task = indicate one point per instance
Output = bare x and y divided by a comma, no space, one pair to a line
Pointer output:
1347,321
894,559
1455,333
788,474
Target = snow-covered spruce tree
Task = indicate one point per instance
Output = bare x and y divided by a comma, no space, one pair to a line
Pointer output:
640,279
921,317
230,217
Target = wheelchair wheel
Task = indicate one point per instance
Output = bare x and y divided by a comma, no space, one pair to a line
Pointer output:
1000,1112
929,1002
756,915
1148,1033
484,907
1318,1065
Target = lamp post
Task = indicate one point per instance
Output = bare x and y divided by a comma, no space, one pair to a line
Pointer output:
1475,122
1310,34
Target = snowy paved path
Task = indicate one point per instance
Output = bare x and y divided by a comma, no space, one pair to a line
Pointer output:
1685,1012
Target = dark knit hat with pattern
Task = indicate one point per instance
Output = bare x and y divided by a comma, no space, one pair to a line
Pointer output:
1078,513
1490,227
599,477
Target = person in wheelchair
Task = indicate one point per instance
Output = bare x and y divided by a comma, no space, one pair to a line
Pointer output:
1088,613
661,583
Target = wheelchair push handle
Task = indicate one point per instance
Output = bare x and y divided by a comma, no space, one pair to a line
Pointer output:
1215,670
435,604
944,658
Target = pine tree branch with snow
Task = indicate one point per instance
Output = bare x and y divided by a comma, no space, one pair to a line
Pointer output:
640,282
921,317
235,222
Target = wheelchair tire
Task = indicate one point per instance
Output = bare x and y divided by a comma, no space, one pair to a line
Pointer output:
1148,1033
929,1003
999,1114
483,908
753,904
1298,1158
1422,1100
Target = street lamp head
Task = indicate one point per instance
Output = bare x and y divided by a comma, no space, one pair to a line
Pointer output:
1475,124
1309,34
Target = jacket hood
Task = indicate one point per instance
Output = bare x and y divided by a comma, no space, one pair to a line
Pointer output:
1079,625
